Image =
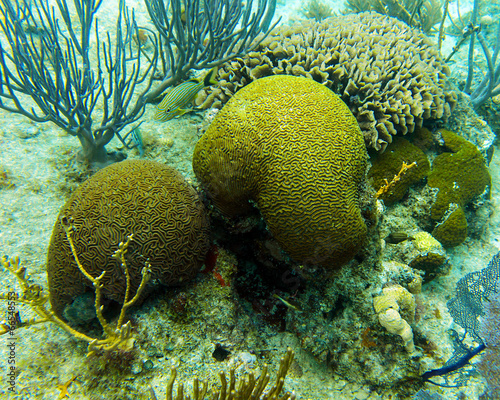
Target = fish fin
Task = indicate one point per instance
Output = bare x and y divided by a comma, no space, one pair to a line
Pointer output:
196,80
210,77
182,111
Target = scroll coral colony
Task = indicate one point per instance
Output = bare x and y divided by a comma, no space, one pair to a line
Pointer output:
390,75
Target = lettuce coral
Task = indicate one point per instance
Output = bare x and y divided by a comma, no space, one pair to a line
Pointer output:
391,76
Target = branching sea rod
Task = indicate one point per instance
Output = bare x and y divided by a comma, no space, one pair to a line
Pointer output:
48,72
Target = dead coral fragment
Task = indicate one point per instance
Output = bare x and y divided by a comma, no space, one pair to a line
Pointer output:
249,388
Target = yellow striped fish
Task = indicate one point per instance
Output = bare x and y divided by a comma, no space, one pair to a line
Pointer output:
177,98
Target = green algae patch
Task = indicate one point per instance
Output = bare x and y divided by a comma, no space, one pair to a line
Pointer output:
460,174
387,165
453,230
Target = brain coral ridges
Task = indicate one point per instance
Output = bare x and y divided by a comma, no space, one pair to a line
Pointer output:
147,199
390,75
292,146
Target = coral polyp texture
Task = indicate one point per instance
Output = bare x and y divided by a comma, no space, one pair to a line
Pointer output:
293,147
147,199
390,75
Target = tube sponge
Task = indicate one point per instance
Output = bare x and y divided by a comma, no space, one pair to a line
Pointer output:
395,303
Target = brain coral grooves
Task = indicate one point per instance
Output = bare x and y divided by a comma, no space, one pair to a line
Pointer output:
292,146
147,199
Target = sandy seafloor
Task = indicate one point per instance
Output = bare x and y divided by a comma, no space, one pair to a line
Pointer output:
39,161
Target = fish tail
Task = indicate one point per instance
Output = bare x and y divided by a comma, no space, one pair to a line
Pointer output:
210,77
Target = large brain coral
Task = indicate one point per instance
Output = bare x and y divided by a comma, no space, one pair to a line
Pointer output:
292,146
147,199
390,75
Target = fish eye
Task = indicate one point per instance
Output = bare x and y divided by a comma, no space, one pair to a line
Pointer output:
168,109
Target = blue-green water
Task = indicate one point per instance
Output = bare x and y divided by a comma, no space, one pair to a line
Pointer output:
341,349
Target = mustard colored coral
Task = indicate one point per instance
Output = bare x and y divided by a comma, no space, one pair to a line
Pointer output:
424,241
461,175
395,309
390,164
293,147
452,231
147,199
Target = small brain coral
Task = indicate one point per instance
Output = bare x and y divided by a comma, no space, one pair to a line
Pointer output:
390,75
147,199
293,147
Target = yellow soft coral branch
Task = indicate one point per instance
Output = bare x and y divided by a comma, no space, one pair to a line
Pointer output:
235,388
389,185
116,336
